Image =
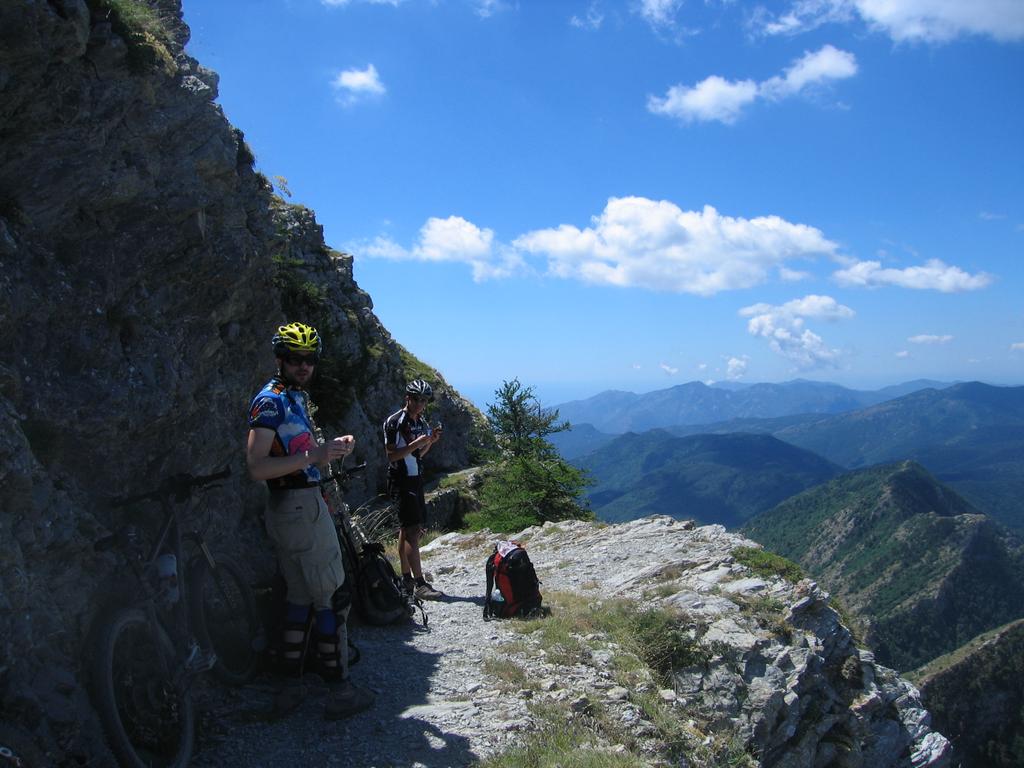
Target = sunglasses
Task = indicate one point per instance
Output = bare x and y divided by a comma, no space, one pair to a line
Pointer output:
293,359
419,398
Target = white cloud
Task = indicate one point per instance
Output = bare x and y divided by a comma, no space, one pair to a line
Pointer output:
932,21
787,335
736,367
942,20
355,84
713,98
828,63
934,275
802,16
659,13
716,98
702,366
903,354
637,242
793,275
450,240
487,8
989,216
668,369
930,338
592,19
1017,346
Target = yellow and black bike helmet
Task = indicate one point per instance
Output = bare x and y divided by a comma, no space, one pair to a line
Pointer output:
297,337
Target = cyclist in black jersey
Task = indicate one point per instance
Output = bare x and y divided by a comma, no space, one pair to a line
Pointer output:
407,439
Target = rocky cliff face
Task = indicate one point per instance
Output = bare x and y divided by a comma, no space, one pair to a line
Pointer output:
143,267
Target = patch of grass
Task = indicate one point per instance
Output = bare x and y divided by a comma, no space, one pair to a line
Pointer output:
657,636
661,591
768,564
510,676
561,741
146,35
507,521
414,368
669,573
768,612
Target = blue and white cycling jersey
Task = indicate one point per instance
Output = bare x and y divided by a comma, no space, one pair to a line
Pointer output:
285,410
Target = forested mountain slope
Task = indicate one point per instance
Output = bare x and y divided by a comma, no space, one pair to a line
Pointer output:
723,479
909,557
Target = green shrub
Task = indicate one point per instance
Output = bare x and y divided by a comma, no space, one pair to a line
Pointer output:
527,490
144,32
765,563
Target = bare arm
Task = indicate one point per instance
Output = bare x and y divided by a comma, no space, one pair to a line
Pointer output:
395,453
263,466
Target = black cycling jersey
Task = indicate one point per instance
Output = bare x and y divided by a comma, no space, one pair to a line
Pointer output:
399,431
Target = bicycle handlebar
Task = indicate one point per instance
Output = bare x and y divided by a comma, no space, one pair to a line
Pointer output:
344,474
179,486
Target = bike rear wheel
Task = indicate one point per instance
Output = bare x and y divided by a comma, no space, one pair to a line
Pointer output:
147,717
225,620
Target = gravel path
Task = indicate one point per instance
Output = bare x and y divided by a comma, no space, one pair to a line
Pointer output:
433,705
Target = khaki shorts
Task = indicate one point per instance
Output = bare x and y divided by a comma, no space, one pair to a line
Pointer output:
300,525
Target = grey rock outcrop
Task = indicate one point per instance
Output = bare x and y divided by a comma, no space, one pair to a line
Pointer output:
782,672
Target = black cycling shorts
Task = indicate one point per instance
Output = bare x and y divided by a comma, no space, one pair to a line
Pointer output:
412,506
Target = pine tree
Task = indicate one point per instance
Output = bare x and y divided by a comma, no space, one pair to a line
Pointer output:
528,482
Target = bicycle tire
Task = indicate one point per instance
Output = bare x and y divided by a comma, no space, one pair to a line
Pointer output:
149,723
225,619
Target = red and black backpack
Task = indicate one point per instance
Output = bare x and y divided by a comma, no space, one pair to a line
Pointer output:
510,570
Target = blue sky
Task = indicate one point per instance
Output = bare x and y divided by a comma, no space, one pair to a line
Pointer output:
589,194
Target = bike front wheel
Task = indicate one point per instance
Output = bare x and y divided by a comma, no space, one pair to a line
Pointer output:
224,618
146,714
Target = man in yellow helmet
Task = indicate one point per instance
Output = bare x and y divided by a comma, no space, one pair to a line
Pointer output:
283,451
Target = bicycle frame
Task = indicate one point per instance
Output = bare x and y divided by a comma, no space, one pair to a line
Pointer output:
170,540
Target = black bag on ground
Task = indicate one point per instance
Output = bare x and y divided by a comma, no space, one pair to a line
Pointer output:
510,570
381,599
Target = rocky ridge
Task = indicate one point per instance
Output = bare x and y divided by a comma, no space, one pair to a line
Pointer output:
806,696
986,726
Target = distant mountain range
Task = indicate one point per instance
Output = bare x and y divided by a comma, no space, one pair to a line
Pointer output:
615,412
970,436
709,478
905,554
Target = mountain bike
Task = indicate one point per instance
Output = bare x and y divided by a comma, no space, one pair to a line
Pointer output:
180,619
375,587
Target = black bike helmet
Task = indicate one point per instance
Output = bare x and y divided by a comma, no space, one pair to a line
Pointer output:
419,388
